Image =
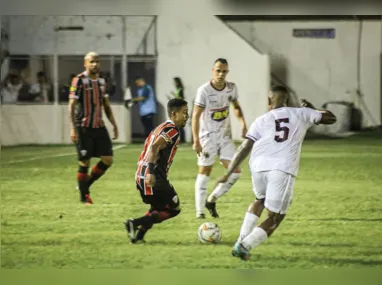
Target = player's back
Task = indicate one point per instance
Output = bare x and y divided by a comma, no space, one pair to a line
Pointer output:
170,133
278,136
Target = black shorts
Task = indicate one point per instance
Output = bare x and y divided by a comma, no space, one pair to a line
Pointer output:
93,142
161,196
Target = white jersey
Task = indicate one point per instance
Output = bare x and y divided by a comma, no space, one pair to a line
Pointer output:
278,136
216,104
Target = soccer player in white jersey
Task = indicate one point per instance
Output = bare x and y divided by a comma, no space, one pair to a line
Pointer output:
212,135
274,140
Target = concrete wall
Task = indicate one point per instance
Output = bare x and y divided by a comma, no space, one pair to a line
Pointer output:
37,35
323,70
49,124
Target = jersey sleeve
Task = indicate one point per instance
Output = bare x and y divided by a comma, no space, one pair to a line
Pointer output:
254,131
311,116
102,86
235,94
75,88
170,134
200,98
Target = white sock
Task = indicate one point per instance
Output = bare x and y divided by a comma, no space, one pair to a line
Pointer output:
248,225
256,237
201,192
223,188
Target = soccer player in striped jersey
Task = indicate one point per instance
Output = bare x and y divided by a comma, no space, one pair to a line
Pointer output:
153,167
87,97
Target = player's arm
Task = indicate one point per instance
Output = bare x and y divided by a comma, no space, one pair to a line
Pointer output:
328,118
145,96
71,110
110,116
241,153
196,113
153,153
239,114
74,95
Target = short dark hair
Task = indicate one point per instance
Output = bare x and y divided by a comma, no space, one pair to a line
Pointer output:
173,105
138,78
178,82
279,89
221,60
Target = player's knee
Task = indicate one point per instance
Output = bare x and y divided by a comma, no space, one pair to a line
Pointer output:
108,160
85,163
175,212
276,218
205,170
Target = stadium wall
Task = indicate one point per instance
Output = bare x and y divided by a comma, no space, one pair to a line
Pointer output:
37,35
323,70
186,49
49,124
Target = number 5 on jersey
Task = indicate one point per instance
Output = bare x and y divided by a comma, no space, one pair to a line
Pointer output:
282,128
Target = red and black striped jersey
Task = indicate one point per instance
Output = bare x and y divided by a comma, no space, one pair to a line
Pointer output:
90,94
170,133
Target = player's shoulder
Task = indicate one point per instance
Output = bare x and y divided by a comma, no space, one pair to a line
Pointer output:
81,75
231,85
169,131
204,87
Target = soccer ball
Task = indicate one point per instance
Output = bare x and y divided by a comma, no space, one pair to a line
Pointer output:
209,233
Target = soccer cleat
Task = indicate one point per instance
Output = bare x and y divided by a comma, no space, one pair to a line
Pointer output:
88,199
212,209
131,230
200,216
239,251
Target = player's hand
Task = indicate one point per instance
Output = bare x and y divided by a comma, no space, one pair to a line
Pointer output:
197,147
306,103
73,136
244,132
115,133
150,180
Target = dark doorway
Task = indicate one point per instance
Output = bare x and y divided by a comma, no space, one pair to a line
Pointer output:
145,67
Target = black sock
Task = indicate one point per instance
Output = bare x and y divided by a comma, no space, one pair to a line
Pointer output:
82,179
145,221
97,171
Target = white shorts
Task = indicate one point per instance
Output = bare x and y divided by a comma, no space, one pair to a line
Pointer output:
213,146
276,187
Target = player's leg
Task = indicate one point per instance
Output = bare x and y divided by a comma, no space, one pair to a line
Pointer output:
104,150
227,151
84,151
255,209
201,184
205,163
278,198
165,207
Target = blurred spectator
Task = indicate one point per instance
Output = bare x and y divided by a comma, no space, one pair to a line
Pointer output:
42,91
12,87
64,89
147,104
178,93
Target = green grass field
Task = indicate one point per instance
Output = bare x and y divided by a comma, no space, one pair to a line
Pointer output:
335,219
